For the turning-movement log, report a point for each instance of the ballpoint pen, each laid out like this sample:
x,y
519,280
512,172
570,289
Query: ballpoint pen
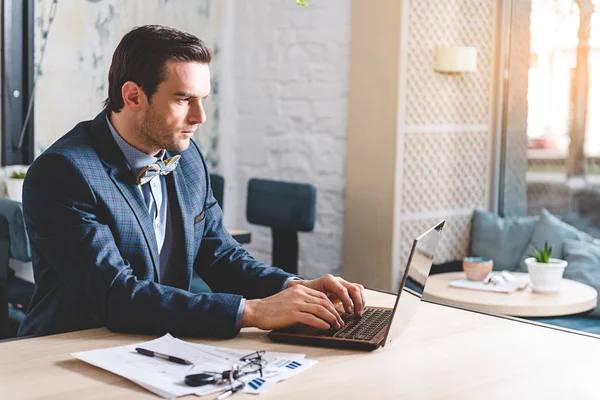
x,y
231,391
167,357
225,394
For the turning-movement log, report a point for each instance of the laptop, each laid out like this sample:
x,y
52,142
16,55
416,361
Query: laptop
x,y
378,326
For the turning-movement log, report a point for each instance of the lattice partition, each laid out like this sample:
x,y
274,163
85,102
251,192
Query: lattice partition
x,y
434,98
446,138
444,171
454,244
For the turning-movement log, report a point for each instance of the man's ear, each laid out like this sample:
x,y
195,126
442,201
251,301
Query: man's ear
x,y
133,95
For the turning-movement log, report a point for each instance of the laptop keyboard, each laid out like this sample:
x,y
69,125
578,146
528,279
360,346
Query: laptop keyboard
x,y
363,328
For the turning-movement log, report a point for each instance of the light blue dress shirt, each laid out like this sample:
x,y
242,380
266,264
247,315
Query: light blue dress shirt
x,y
156,198
154,194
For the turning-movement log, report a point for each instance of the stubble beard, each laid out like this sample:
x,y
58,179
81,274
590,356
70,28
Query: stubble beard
x,y
153,133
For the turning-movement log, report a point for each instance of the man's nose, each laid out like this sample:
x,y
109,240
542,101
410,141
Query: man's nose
x,y
197,115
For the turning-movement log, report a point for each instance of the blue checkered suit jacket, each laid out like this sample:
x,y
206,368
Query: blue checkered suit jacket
x,y
95,256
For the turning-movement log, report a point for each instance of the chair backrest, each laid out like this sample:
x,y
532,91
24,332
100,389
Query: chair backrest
x,y
4,255
287,208
284,205
14,243
217,184
19,241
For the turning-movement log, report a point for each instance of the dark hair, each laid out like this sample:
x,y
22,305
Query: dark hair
x,y
141,55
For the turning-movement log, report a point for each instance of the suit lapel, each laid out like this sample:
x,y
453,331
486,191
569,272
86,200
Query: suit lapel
x,y
123,178
134,198
184,201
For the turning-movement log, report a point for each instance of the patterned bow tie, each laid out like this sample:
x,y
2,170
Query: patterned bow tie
x,y
159,168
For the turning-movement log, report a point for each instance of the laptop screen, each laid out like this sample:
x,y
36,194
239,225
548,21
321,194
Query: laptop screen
x,y
414,280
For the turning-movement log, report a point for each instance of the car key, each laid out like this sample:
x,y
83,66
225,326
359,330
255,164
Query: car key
x,y
202,379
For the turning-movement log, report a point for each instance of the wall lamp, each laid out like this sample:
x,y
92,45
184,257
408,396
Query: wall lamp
x,y
455,59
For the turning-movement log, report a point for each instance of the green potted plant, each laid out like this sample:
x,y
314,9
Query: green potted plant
x,y
545,272
14,183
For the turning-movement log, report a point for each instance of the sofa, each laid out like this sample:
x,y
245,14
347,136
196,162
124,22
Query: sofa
x,y
508,241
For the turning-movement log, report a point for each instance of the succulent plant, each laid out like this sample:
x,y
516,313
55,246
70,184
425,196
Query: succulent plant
x,y
18,175
542,255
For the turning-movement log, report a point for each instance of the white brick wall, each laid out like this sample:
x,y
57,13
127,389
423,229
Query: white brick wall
x,y
283,79
82,39
290,76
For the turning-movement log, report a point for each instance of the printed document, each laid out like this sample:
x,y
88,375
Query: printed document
x,y
167,379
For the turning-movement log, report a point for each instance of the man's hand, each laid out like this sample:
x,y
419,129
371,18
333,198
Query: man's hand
x,y
297,304
308,302
351,295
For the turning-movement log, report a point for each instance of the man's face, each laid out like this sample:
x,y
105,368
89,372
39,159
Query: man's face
x,y
169,120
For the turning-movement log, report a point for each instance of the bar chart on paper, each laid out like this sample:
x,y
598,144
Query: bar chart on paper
x,y
167,379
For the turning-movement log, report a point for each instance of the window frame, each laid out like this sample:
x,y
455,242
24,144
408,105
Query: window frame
x,y
17,75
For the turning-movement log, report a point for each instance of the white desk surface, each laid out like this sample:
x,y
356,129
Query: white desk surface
x,y
445,353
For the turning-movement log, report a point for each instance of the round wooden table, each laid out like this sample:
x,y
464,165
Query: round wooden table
x,y
573,298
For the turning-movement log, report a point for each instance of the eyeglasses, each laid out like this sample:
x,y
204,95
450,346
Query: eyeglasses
x,y
254,363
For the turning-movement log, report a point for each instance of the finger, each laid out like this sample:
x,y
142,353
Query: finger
x,y
331,308
337,303
322,313
311,320
336,287
363,296
339,307
314,296
360,294
356,292
325,303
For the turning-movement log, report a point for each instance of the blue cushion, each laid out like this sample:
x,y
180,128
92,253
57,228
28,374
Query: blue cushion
x,y
19,241
578,323
584,264
555,232
501,239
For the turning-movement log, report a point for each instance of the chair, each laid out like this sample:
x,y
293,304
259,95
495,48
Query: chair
x,y
4,246
287,208
14,243
217,184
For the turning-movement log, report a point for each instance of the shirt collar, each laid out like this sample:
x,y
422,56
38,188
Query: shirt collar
x,y
135,158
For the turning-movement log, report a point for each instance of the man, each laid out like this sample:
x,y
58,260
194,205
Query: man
x,y
119,212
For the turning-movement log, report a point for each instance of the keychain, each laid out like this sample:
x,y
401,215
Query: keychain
x,y
207,378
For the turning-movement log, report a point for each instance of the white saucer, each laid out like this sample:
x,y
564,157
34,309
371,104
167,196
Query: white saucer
x,y
543,289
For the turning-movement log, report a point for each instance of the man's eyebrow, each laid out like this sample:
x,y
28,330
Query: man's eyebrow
x,y
184,94
187,94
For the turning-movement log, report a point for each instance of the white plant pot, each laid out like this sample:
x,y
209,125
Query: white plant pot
x,y
14,188
546,278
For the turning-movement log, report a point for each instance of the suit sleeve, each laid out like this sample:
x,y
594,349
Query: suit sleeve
x,y
68,231
226,266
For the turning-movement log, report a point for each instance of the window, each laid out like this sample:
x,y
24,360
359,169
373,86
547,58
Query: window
x,y
17,81
551,138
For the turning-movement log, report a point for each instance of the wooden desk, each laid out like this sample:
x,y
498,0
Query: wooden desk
x,y
573,298
445,353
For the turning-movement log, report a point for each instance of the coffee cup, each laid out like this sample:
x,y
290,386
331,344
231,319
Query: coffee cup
x,y
477,268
